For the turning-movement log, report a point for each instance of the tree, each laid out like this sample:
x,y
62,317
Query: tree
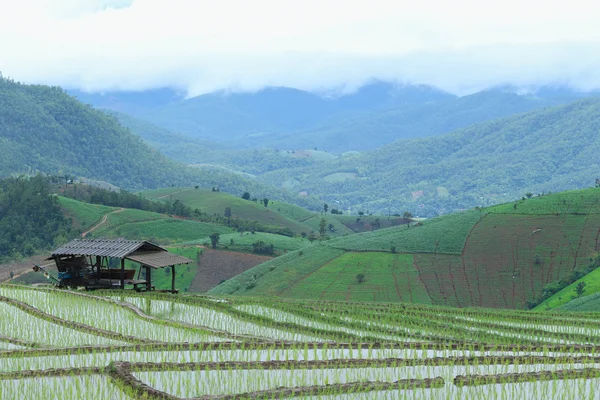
x,y
361,213
325,207
312,237
580,288
246,196
407,216
227,212
214,239
265,201
322,229
528,194
360,278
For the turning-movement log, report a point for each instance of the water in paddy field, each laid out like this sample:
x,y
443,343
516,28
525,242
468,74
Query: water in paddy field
x,y
93,387
576,389
188,384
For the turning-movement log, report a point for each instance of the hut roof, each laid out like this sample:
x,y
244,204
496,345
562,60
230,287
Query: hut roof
x,y
140,251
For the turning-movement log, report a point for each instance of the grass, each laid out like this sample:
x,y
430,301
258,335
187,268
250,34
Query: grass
x,y
243,242
445,235
586,201
568,294
84,215
274,276
387,278
589,303
137,224
211,202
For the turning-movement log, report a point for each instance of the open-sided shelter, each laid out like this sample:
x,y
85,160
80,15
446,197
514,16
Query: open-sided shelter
x,y
85,262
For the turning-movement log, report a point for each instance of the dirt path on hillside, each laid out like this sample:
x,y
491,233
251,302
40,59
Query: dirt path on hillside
x,y
170,194
104,218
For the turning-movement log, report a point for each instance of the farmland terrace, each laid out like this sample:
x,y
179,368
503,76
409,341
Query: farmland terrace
x,y
57,343
499,257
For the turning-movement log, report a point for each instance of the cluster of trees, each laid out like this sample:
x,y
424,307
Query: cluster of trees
x,y
123,198
261,247
30,217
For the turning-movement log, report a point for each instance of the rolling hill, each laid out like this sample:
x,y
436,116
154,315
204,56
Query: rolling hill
x,y
285,216
501,256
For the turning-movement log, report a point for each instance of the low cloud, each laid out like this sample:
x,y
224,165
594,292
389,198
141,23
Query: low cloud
x,y
200,46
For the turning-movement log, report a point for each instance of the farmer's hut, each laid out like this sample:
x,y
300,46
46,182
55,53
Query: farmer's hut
x,y
86,262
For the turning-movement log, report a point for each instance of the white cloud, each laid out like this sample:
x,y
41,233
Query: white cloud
x,y
203,45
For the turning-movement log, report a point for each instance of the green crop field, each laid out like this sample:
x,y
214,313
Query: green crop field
x,y
386,277
445,235
124,345
211,202
568,294
243,241
84,215
495,257
586,201
136,224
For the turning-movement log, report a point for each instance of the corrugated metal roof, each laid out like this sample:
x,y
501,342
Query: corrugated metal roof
x,y
118,248
158,259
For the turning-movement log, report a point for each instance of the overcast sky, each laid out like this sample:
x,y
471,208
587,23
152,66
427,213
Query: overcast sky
x,y
200,46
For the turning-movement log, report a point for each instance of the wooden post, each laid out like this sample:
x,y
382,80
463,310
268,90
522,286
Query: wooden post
x,y
98,264
148,278
172,279
122,273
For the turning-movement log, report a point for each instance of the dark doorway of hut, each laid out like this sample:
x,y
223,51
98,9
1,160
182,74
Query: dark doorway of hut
x,y
87,263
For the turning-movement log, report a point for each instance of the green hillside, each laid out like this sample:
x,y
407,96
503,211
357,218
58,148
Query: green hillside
x,y
499,256
563,298
552,149
277,214
43,129
589,303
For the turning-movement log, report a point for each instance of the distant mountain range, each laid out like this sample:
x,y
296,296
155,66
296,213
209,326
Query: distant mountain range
x,y
284,118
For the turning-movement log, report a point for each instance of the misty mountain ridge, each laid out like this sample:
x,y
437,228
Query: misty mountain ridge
x,y
376,114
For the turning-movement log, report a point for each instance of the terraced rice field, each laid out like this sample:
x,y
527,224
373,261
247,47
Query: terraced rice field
x,y
123,345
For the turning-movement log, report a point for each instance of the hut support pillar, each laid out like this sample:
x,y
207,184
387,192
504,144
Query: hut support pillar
x,y
172,279
148,278
122,273
98,265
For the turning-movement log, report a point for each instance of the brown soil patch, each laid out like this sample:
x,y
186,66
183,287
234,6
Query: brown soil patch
x,y
219,265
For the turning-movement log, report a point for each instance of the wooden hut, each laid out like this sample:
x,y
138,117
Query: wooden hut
x,y
86,263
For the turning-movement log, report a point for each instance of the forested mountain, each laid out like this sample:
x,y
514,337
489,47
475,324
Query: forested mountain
x,y
30,218
43,129
546,150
